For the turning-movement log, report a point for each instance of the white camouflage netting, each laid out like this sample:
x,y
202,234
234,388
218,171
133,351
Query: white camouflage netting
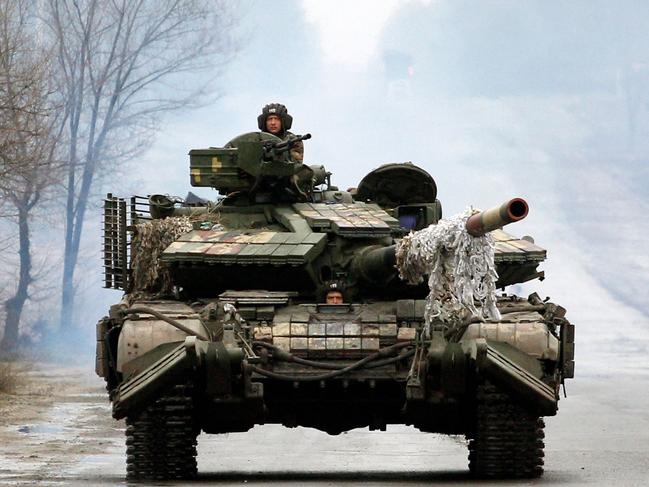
x,y
460,269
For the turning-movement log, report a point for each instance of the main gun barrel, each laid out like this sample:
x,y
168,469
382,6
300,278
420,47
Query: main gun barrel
x,y
486,221
376,265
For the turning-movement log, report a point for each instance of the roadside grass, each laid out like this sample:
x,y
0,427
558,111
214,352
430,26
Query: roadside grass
x,y
13,368
8,377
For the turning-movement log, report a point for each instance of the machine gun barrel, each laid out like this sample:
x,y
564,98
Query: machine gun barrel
x,y
376,265
285,145
486,221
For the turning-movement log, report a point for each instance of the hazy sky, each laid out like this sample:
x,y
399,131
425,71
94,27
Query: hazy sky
x,y
542,99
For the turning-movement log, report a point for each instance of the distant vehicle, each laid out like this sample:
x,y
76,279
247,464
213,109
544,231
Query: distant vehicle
x,y
281,303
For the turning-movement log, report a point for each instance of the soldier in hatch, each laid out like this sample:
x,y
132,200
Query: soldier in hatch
x,y
334,292
274,119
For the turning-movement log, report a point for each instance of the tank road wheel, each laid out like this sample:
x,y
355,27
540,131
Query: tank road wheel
x,y
507,441
161,441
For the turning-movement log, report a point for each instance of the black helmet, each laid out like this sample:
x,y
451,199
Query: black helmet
x,y
275,109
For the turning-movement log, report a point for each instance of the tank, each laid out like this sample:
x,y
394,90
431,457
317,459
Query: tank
x,y
289,301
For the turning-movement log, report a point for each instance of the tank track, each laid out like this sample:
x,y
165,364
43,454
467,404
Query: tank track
x,y
161,441
507,441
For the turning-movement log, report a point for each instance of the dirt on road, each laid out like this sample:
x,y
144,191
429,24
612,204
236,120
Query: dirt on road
x,y
54,418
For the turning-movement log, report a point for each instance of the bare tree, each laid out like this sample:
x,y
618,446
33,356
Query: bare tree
x,y
124,63
27,143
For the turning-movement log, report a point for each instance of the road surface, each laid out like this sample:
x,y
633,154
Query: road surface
x,y
57,430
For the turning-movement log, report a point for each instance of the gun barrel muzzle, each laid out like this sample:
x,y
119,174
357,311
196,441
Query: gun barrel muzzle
x,y
509,212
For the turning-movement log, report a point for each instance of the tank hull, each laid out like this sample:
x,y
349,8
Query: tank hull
x,y
430,385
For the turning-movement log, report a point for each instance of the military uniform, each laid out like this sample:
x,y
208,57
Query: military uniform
x,y
297,151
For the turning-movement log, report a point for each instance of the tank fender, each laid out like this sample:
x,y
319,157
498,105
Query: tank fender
x,y
514,371
143,333
533,338
136,393
211,363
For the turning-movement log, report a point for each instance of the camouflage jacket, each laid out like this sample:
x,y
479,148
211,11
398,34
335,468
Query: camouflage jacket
x,y
297,152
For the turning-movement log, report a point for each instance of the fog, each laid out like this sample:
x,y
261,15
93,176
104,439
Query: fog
x,y
496,99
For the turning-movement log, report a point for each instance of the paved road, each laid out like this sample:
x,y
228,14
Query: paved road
x,y
600,437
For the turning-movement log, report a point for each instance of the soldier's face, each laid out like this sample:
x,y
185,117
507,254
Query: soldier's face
x,y
334,297
273,124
